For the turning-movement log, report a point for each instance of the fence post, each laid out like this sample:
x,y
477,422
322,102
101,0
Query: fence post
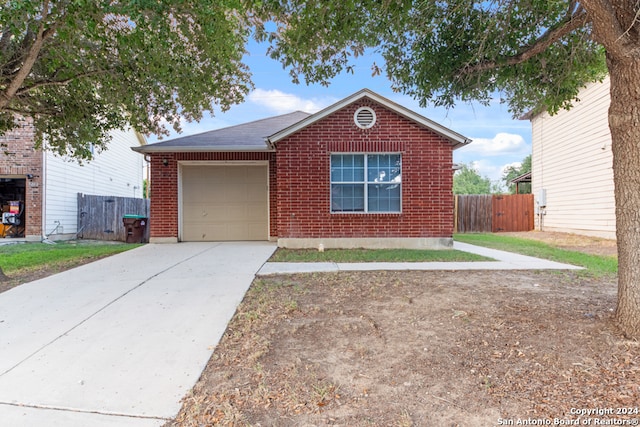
x,y
455,213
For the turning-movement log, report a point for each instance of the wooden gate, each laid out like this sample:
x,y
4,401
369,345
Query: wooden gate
x,y
100,217
486,213
512,213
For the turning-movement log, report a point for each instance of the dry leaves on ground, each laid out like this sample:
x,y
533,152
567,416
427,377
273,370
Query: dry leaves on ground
x,y
417,348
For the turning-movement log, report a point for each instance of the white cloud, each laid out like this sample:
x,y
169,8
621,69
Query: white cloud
x,y
488,169
502,143
281,102
515,165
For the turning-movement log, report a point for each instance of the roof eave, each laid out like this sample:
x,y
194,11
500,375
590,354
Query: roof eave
x,y
525,177
200,149
461,144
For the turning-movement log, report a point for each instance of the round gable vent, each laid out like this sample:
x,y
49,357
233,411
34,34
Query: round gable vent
x,y
364,117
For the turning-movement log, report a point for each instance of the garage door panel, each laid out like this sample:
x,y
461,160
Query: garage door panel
x,y
257,213
238,194
255,193
255,176
254,229
206,233
204,215
224,203
231,213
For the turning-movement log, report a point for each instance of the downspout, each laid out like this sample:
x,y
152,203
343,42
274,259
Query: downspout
x,y
147,195
43,196
270,146
147,177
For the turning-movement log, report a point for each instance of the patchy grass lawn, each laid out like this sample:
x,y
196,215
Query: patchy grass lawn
x,y
598,265
25,262
373,255
434,348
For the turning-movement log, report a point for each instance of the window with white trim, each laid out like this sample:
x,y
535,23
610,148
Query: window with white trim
x,y
366,183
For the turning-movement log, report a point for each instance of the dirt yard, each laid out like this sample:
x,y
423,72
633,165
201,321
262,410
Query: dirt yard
x,y
421,349
572,242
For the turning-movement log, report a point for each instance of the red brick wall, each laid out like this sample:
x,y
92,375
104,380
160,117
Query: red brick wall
x,y
164,187
299,180
303,165
19,157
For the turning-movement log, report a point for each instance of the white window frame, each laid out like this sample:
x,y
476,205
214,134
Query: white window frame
x,y
365,183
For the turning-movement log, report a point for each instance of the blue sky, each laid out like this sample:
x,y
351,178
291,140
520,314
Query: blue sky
x,y
498,139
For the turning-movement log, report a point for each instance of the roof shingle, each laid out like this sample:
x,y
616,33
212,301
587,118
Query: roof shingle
x,y
250,136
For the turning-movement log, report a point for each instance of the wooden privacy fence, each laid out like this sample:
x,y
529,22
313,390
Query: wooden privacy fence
x,y
485,213
100,217
473,213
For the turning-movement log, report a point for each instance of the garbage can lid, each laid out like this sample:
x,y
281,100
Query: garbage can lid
x,y
134,216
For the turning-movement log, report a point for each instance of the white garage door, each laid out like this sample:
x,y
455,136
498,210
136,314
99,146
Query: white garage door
x,y
225,202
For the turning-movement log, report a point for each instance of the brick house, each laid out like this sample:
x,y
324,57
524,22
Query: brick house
x,y
364,172
46,186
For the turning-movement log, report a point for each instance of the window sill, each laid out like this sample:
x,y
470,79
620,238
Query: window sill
x,y
368,213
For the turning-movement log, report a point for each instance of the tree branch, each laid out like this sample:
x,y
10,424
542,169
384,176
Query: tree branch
x,y
45,83
571,22
31,112
29,60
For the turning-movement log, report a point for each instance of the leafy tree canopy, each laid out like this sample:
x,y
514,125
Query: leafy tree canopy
x,y
82,68
536,53
467,180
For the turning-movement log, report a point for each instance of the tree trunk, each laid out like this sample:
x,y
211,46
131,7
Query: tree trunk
x,y
624,123
3,277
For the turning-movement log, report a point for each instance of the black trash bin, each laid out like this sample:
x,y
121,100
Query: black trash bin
x,y
135,226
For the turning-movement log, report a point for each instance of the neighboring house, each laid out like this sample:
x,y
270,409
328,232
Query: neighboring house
x,y
572,175
47,186
364,172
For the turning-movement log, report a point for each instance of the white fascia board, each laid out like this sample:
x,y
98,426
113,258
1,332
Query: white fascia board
x,y
222,148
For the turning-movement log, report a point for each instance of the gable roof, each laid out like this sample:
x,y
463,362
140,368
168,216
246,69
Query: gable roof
x,y
456,139
525,177
263,135
250,136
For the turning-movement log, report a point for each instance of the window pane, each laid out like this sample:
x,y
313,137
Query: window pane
x,y
383,198
347,168
347,175
336,168
395,166
358,167
339,164
374,173
347,198
383,168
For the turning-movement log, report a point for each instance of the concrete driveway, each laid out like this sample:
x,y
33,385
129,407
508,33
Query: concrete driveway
x,y
120,341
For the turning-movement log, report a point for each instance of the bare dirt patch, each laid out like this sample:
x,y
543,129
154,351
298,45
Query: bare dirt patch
x,y
573,242
417,349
